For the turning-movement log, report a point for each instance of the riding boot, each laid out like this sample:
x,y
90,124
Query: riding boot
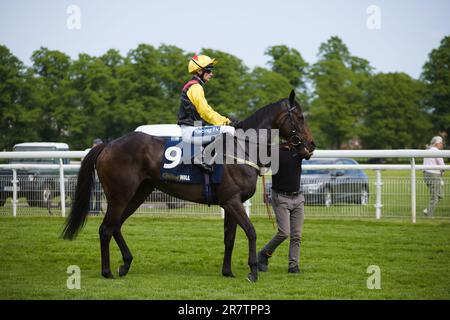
x,y
198,161
206,166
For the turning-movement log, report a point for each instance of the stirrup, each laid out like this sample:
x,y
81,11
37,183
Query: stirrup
x,y
206,167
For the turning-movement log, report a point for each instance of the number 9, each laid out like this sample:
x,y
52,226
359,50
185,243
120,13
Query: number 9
x,y
175,159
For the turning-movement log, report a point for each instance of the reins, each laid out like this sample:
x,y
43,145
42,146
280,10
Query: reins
x,y
266,200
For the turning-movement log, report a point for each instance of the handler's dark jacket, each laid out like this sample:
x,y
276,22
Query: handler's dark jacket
x,y
287,179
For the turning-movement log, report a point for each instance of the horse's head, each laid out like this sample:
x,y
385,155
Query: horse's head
x,y
294,129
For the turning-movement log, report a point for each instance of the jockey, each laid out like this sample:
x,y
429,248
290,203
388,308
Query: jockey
x,y
195,112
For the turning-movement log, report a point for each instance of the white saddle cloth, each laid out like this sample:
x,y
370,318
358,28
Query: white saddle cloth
x,y
161,130
196,135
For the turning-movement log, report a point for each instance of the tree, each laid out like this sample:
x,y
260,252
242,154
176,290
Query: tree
x,y
395,117
436,75
174,73
289,63
334,49
20,101
92,107
51,68
73,101
265,86
144,94
338,104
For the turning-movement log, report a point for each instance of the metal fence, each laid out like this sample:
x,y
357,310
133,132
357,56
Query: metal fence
x,y
388,195
390,190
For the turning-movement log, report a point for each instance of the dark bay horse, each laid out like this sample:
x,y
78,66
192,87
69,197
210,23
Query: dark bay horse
x,y
129,170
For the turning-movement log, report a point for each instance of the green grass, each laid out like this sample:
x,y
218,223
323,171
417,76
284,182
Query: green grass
x,y
181,258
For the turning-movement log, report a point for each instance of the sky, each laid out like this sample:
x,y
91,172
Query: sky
x,y
394,35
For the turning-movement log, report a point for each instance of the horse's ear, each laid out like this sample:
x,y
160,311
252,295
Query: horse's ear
x,y
292,98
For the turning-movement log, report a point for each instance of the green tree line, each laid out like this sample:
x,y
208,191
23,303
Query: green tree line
x,y
345,101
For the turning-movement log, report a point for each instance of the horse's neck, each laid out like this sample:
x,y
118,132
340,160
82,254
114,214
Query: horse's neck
x,y
263,118
262,123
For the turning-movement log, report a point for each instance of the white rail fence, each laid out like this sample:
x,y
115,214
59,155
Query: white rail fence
x,y
400,195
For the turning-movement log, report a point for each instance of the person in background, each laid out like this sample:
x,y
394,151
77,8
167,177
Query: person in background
x,y
95,206
288,204
433,178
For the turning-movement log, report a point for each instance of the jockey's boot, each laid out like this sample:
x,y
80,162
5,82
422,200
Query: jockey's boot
x,y
208,168
202,163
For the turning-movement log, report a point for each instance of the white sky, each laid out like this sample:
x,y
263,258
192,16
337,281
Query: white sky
x,y
410,29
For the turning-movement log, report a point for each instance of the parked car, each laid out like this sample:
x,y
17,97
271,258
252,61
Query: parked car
x,y
38,186
327,187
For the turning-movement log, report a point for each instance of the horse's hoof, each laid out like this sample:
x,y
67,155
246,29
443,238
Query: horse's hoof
x,y
108,275
228,274
252,277
122,271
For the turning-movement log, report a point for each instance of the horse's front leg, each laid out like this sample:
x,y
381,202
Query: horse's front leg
x,y
229,238
236,209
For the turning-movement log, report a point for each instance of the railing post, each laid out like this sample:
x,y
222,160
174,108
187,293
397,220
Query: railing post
x,y
378,204
247,205
14,201
62,192
413,190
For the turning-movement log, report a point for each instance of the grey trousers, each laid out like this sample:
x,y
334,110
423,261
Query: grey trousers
x,y
434,183
289,212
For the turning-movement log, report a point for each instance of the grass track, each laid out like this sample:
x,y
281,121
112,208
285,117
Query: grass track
x,y
181,258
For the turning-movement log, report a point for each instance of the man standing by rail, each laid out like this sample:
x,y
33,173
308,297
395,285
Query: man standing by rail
x,y
288,204
433,178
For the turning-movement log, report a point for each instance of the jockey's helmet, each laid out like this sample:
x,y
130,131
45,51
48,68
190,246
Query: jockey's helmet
x,y
199,62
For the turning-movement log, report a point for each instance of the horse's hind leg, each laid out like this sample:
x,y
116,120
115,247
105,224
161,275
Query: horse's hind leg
x,y
139,197
230,225
126,253
111,223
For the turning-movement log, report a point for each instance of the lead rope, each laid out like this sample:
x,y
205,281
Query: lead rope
x,y
266,200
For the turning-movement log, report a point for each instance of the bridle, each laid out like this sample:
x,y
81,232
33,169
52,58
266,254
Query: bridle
x,y
295,141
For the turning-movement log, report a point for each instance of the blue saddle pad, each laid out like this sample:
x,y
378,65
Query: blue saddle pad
x,y
184,172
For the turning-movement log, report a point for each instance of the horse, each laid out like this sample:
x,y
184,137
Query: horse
x,y
129,170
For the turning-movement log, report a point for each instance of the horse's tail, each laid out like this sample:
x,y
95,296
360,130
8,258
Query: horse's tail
x,y
80,207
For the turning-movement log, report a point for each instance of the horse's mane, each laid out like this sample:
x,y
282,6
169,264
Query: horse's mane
x,y
263,117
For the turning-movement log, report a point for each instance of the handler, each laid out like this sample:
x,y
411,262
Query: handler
x,y
195,112
288,204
